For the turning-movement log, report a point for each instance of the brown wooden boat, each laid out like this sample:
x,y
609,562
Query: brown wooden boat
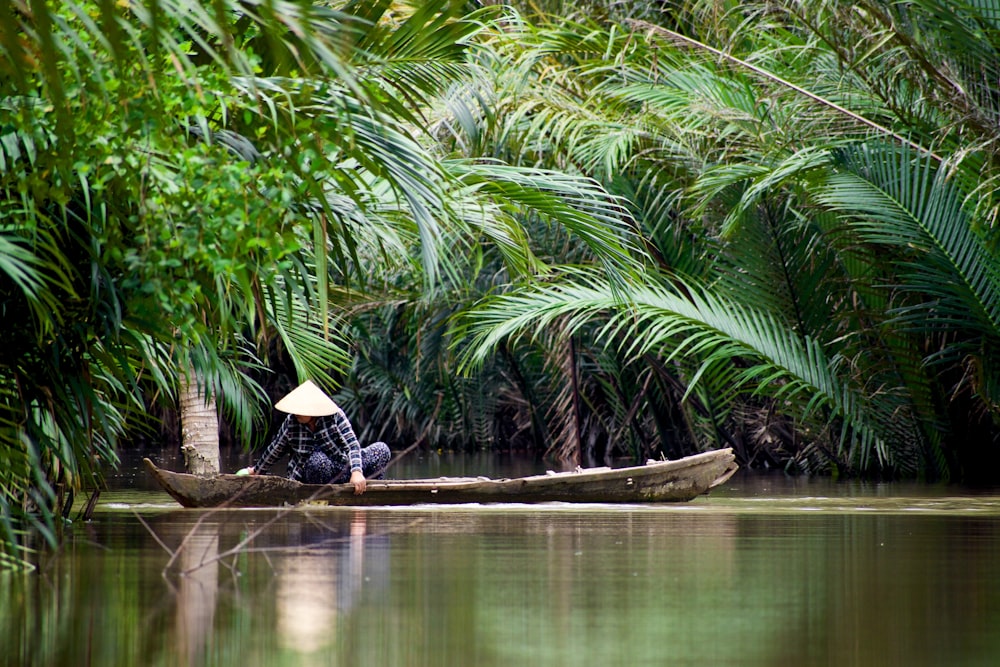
x,y
655,482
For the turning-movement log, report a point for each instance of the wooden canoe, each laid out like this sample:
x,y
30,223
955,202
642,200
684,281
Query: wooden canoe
x,y
655,482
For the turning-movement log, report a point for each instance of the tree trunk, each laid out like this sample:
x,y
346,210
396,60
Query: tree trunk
x,y
567,444
199,429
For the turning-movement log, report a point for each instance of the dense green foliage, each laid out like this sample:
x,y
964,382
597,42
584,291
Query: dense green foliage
x,y
168,174
813,182
760,225
812,186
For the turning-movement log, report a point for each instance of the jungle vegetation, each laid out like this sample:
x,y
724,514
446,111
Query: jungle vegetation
x,y
589,230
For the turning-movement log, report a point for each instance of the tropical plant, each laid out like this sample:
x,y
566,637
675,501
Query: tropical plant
x,y
185,184
135,251
820,214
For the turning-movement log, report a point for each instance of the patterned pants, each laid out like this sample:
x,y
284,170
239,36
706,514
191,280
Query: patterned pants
x,y
319,469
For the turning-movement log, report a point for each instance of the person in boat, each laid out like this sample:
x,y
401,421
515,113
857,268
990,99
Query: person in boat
x,y
320,443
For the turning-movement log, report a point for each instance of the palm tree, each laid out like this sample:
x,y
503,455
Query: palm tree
x,y
130,197
753,144
187,251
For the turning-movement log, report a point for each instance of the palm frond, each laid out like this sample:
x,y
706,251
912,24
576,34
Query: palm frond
x,y
771,76
316,349
580,205
699,326
897,200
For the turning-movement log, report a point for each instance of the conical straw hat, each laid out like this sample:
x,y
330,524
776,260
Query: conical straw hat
x,y
307,400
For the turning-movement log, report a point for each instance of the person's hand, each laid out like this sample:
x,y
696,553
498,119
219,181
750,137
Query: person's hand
x,y
245,471
359,482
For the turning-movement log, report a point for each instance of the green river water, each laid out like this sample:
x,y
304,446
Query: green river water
x,y
765,571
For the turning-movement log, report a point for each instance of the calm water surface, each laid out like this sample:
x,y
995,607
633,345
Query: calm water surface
x,y
765,571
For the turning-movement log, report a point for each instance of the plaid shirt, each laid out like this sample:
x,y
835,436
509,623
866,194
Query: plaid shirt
x,y
333,436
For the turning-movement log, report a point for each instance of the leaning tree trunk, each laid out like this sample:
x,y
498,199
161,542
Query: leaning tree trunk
x,y
199,429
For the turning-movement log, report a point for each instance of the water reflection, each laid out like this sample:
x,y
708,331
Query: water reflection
x,y
753,578
315,582
302,569
197,592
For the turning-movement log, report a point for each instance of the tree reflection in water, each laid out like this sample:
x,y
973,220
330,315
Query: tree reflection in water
x,y
197,592
758,578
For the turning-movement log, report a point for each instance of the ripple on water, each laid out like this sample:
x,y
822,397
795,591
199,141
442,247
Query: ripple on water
x,y
144,501
955,505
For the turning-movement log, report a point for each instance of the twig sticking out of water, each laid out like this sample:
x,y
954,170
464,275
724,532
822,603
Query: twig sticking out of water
x,y
243,546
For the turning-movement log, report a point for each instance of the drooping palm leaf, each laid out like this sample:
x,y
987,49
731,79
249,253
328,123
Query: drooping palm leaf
x,y
579,205
702,326
897,200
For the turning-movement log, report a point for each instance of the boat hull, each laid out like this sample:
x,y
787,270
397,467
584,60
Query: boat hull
x,y
657,482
